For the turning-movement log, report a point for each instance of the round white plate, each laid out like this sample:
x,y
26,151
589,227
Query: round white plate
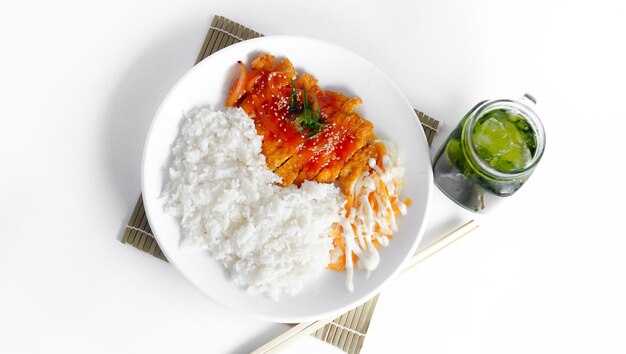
x,y
336,68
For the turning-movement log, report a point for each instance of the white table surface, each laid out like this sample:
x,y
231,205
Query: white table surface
x,y
79,86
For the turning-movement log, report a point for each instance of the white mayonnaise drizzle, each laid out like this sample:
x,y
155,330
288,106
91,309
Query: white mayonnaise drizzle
x,y
361,222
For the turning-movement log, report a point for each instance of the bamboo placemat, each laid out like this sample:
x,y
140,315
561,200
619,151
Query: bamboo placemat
x,y
347,331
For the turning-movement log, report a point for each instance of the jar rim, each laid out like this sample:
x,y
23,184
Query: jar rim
x,y
488,106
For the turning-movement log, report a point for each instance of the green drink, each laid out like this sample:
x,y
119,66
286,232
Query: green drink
x,y
490,154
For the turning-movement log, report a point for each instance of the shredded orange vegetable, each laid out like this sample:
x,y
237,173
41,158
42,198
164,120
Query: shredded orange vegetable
x,y
238,89
353,202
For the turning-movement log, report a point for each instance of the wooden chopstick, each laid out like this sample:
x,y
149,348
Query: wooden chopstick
x,y
443,242
290,336
306,328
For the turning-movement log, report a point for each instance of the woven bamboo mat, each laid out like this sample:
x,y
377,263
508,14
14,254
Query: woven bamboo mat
x,y
347,331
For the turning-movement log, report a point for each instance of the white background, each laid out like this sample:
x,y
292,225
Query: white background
x,y
81,81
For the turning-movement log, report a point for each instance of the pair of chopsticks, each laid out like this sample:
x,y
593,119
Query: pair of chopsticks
x,y
307,328
291,335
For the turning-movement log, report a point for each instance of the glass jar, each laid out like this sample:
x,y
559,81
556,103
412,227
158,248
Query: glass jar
x,y
491,153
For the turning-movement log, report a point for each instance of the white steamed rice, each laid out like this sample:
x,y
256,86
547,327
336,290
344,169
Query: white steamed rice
x,y
271,239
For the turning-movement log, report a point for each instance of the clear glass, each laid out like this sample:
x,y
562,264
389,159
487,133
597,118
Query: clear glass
x,y
465,177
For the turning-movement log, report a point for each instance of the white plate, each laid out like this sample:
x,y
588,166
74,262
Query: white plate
x,y
338,69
